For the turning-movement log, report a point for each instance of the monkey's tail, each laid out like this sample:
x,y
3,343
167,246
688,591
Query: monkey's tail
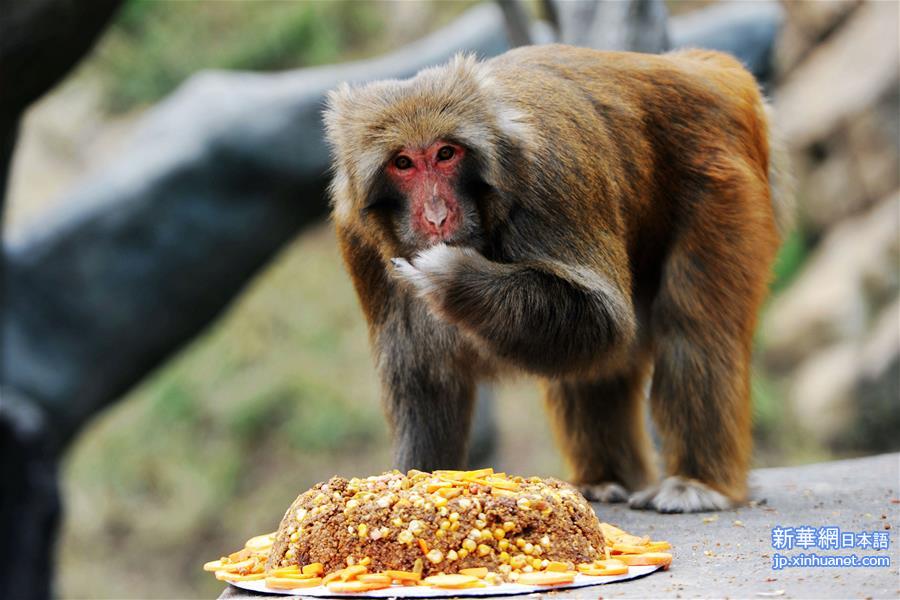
x,y
781,180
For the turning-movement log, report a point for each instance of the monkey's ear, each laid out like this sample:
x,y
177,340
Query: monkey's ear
x,y
338,102
466,63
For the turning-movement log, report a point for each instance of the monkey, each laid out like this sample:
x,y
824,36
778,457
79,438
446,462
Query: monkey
x,y
595,219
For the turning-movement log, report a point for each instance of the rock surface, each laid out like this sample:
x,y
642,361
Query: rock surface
x,y
852,272
729,554
833,335
842,77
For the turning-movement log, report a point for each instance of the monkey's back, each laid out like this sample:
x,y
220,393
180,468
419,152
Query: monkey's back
x,y
659,97
661,126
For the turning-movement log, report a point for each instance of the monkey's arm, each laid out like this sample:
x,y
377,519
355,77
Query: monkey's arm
x,y
545,316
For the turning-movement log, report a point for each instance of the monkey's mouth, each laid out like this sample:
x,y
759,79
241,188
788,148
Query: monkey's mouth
x,y
440,238
461,237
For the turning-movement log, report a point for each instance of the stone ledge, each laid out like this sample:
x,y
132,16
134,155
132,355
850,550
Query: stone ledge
x,y
729,554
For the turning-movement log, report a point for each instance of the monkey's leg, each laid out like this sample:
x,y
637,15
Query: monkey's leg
x,y
600,427
702,327
427,390
428,395
701,405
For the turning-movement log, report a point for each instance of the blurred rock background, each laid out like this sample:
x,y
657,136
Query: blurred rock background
x,y
831,336
212,447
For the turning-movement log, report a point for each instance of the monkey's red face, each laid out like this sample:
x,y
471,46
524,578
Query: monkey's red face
x,y
429,178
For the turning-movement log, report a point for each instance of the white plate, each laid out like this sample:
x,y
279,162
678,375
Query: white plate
x,y
409,591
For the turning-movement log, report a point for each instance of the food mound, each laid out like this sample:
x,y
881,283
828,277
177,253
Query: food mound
x,y
447,529
439,522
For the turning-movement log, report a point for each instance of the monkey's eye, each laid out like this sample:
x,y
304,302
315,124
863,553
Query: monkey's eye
x,y
446,153
403,162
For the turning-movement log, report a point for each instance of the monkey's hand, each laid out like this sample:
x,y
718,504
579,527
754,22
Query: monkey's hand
x,y
433,270
544,316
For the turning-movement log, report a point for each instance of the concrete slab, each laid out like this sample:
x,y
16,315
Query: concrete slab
x,y
729,554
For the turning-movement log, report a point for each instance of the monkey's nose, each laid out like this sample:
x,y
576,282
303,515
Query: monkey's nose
x,y
435,211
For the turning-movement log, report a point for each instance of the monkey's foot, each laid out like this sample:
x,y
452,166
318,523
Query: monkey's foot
x,y
677,494
603,492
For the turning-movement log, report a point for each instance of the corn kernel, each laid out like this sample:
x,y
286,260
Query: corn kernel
x,y
545,541
397,522
545,563
537,550
520,542
469,545
503,544
405,537
483,550
454,516
505,569
351,504
523,503
504,557
439,533
445,524
362,530
517,561
435,556
536,563
486,534
508,526
528,569
528,548
295,536
452,555
463,553
454,526
480,524
440,501
443,511
365,561
499,533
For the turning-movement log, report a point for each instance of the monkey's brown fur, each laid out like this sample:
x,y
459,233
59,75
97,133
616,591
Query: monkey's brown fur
x,y
622,219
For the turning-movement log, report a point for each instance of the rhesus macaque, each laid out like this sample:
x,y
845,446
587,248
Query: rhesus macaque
x,y
587,217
